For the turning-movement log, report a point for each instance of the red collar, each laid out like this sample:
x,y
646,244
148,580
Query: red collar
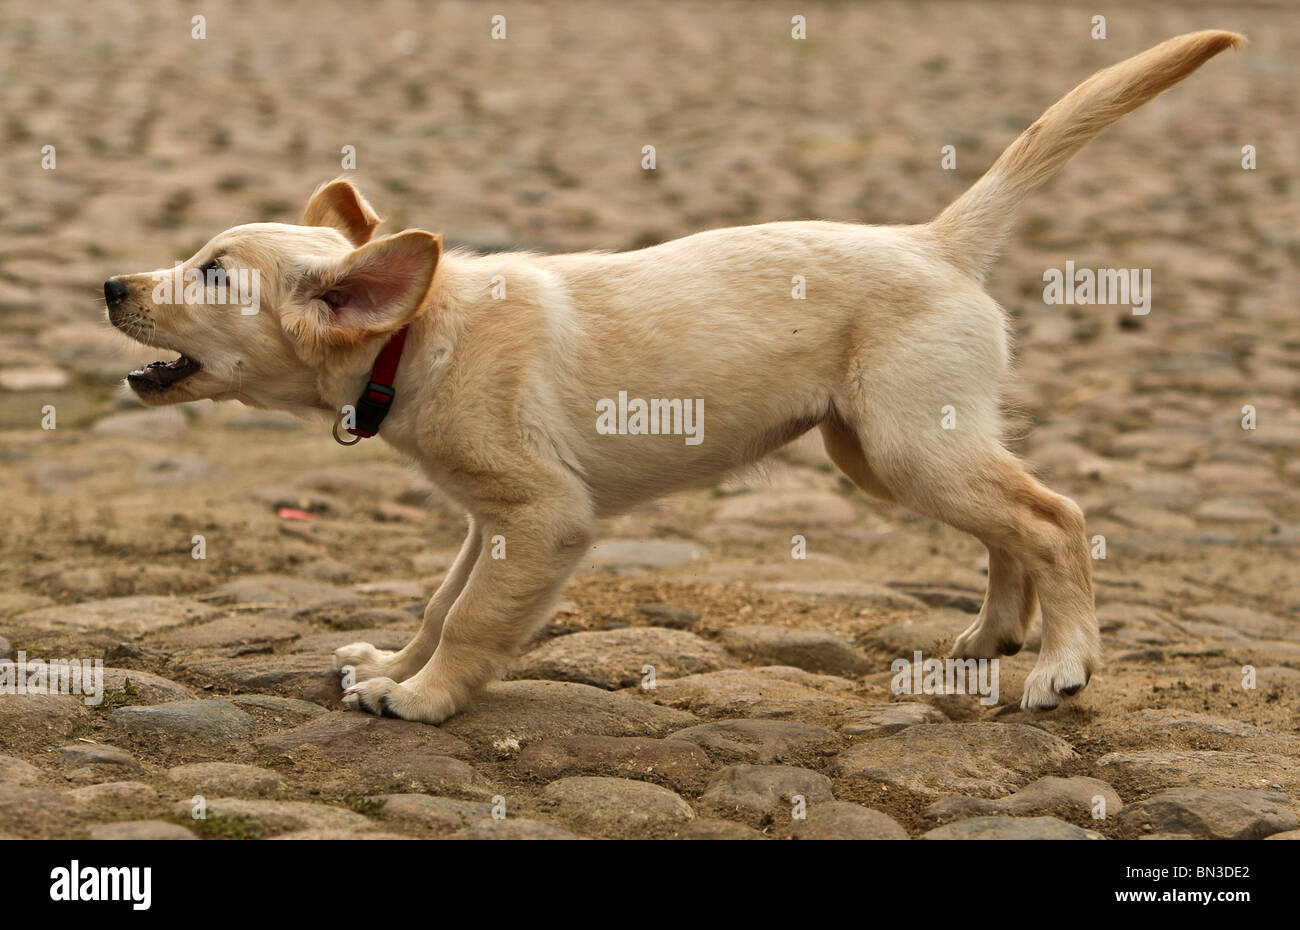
x,y
373,404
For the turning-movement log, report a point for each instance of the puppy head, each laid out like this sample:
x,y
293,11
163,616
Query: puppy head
x,y
263,311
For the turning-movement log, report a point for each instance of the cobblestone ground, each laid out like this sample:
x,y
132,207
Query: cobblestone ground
x,y
773,673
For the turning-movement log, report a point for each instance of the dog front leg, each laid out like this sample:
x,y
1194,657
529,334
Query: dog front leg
x,y
368,662
510,591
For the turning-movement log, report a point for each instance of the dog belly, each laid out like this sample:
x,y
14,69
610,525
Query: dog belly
x,y
624,470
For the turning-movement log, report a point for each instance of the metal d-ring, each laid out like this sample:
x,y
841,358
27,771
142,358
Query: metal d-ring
x,y
340,440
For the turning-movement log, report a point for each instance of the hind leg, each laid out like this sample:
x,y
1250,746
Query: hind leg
x,y
992,498
986,492
1047,533
1010,601
926,410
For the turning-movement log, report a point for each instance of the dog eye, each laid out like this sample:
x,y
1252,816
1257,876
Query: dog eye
x,y
214,265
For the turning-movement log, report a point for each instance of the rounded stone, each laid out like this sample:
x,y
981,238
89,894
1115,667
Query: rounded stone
x,y
764,793
619,658
771,691
761,741
1011,828
616,808
675,763
433,812
513,829
226,778
17,772
259,817
42,715
811,650
1212,813
140,830
983,758
115,794
840,820
708,828
212,723
526,711
1079,796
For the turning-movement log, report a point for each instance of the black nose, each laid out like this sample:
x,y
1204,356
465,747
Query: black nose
x,y
114,290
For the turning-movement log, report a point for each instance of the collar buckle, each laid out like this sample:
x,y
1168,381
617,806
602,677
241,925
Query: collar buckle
x,y
371,407
373,404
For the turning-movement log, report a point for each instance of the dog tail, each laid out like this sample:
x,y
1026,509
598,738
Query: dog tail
x,y
972,228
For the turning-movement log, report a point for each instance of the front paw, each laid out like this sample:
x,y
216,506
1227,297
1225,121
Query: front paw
x,y
384,697
369,695
364,659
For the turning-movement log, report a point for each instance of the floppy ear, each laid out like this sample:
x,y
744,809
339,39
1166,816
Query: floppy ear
x,y
341,205
373,291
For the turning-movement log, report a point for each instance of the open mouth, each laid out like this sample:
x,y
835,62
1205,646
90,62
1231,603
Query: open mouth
x,y
158,376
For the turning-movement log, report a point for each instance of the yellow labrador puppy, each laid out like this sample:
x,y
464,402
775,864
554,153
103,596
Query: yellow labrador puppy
x,y
511,389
